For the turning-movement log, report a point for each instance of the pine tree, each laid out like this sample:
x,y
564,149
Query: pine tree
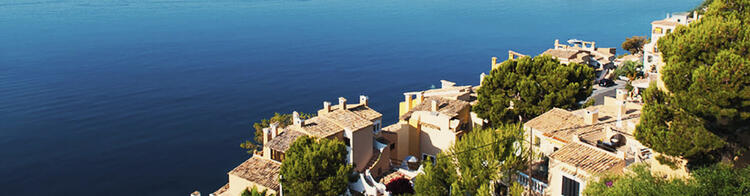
x,y
528,87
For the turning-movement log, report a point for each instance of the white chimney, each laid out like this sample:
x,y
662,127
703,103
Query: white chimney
x,y
407,99
434,106
342,103
327,106
481,78
695,15
274,129
297,120
266,138
621,112
591,117
420,97
363,100
494,62
621,94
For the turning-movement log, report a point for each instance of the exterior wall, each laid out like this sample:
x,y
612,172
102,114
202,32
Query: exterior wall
x,y
237,185
383,164
556,177
361,143
546,146
414,131
433,141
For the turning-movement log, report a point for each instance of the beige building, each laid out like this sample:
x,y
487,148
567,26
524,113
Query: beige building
x,y
585,53
652,60
585,143
431,121
357,125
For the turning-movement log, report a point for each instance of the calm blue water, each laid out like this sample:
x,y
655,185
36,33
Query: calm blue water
x,y
153,97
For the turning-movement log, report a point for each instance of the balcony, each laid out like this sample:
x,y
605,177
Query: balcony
x,y
538,187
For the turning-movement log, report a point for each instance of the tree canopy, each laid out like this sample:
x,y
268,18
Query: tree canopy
x,y
714,180
528,87
634,44
253,192
469,167
628,69
315,167
707,73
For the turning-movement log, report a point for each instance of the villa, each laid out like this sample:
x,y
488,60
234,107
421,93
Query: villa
x,y
357,125
585,53
652,61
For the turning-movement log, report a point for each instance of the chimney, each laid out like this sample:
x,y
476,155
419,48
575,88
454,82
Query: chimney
x,y
695,15
266,139
363,100
326,106
591,117
434,106
621,112
407,99
494,62
593,45
481,78
621,94
420,97
342,103
667,15
557,43
274,128
297,120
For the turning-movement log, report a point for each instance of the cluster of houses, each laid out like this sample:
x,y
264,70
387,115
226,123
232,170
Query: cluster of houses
x,y
575,146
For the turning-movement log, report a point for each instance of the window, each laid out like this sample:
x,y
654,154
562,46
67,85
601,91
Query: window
x,y
569,187
426,157
554,149
650,58
393,146
657,30
347,141
537,141
376,127
669,31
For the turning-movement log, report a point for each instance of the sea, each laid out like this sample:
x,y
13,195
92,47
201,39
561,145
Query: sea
x,y
153,97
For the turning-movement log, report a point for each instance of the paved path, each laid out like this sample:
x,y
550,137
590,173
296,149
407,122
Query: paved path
x,y
599,92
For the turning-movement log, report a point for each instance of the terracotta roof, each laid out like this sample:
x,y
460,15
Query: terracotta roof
x,y
222,190
447,107
347,119
587,158
366,112
561,53
318,127
665,22
554,120
282,141
260,171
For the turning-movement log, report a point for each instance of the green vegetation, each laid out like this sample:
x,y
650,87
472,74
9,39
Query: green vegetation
x,y
528,87
714,180
481,157
315,167
253,192
634,45
283,120
628,69
707,73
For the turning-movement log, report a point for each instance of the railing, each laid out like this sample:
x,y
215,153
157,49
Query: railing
x,y
536,185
